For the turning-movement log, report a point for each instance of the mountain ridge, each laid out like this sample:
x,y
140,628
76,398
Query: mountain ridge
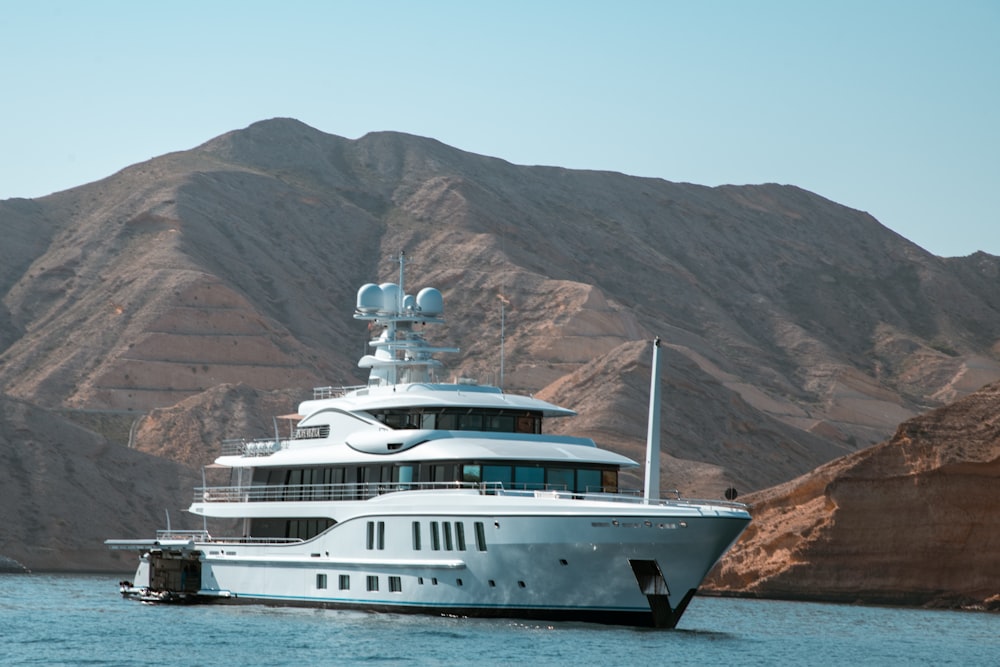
x,y
797,329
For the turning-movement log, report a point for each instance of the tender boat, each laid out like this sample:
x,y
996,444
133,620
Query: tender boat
x,y
415,495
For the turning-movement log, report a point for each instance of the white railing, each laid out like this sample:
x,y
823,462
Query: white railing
x,y
365,491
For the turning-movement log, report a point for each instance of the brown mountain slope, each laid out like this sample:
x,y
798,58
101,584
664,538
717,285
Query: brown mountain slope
x,y
914,520
809,326
65,489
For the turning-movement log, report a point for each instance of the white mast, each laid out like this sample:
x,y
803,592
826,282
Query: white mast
x,y
652,485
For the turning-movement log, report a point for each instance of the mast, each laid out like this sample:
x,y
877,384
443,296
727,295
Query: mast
x,y
652,484
401,353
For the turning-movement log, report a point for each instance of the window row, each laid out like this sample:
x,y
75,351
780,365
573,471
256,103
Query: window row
x,y
463,419
342,482
441,536
371,583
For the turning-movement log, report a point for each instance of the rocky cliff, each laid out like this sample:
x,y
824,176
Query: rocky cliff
x,y
914,520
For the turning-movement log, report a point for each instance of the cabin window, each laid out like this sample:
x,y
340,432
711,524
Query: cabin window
x,y
502,423
446,529
460,535
472,473
381,535
470,422
528,424
435,537
416,536
395,585
609,480
561,479
406,473
320,581
588,480
447,422
372,582
370,542
480,536
345,582
503,475
529,477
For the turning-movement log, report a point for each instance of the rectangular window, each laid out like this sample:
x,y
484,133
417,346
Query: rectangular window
x,y
528,425
502,475
446,526
588,481
473,422
370,543
460,535
609,480
381,535
372,582
416,536
560,479
529,477
406,476
320,581
480,536
435,537
395,585
472,473
345,582
503,423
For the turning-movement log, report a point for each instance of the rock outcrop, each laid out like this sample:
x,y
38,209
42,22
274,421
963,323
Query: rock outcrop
x,y
914,520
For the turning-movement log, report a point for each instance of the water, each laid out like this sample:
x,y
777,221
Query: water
x,y
81,620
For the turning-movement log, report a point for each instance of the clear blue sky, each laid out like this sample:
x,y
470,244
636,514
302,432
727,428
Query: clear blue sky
x,y
888,106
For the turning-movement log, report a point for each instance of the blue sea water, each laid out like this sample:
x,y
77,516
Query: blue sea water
x,y
81,620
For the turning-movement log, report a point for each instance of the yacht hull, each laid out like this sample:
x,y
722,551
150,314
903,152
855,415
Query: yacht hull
x,y
637,566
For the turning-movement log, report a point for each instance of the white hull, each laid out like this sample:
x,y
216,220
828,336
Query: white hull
x,y
549,557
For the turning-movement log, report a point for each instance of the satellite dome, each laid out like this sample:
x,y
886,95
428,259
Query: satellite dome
x,y
390,297
369,298
430,302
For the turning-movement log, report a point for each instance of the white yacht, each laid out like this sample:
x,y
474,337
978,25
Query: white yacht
x,y
415,495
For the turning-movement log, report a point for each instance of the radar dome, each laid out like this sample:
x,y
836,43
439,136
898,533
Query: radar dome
x,y
430,302
409,302
390,297
369,298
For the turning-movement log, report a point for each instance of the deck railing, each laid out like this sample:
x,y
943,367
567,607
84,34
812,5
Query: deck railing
x,y
366,491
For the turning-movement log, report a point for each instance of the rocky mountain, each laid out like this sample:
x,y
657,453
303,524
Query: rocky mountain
x,y
914,520
65,489
184,294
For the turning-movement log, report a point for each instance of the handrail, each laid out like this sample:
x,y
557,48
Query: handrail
x,y
368,490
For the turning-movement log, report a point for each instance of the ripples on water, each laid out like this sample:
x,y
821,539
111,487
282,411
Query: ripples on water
x,y
81,620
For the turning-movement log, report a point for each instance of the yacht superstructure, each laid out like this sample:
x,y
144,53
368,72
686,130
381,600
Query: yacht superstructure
x,y
415,495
